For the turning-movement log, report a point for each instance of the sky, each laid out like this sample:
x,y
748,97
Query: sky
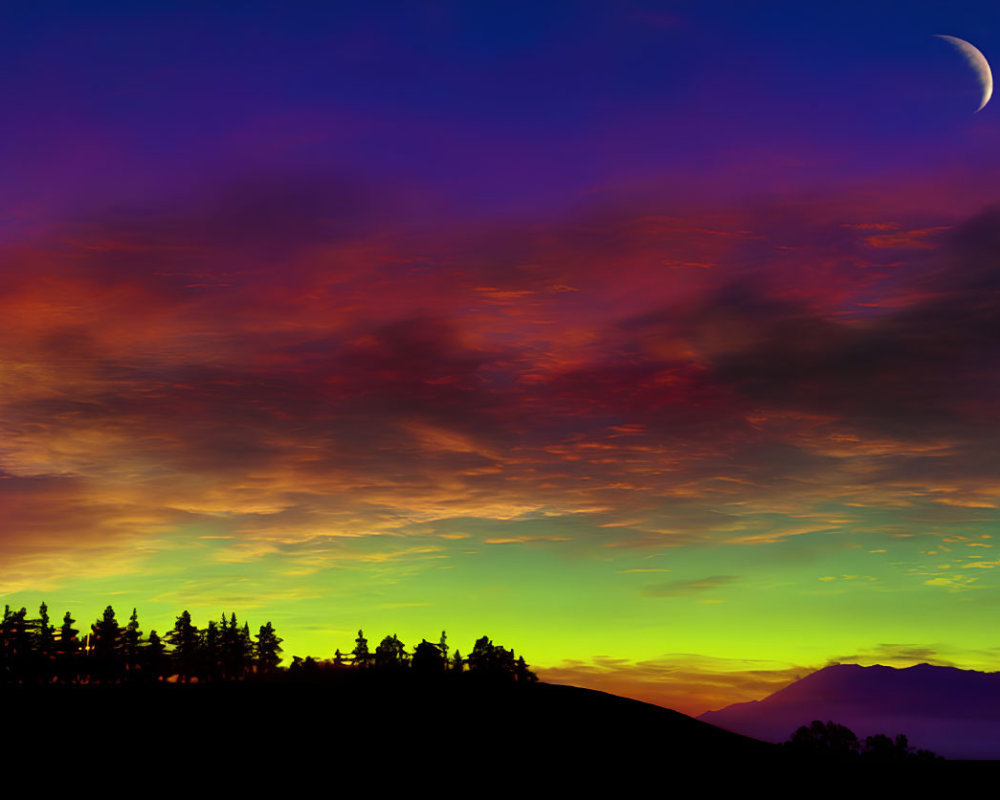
x,y
657,341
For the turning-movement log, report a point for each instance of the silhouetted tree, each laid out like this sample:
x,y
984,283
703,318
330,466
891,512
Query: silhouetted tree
x,y
268,649
248,647
390,654
184,639
67,636
210,653
881,748
522,673
15,646
105,641
42,643
482,652
825,740
67,646
5,659
154,658
832,741
106,635
46,633
237,648
427,658
131,639
361,657
31,651
489,660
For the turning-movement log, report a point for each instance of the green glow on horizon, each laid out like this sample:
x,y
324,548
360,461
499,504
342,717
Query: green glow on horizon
x,y
801,601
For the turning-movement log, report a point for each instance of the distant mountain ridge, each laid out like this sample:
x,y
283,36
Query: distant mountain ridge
x,y
954,712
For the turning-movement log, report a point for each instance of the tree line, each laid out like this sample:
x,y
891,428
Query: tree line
x,y
35,651
428,658
832,741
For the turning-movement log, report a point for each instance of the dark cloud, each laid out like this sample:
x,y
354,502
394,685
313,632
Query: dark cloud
x,y
916,371
664,374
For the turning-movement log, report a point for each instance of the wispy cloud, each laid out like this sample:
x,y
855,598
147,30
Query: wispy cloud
x,y
157,371
691,684
680,588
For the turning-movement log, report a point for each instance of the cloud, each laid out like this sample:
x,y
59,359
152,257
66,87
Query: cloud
x,y
691,684
681,588
273,358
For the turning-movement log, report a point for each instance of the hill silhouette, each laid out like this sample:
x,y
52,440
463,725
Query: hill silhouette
x,y
211,710
388,735
953,712
359,714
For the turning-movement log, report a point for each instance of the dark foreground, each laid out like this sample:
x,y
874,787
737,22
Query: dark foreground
x,y
451,735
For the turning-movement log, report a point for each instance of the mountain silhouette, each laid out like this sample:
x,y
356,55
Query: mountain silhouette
x,y
953,712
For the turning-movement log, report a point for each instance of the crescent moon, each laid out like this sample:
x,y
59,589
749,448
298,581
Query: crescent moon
x,y
978,63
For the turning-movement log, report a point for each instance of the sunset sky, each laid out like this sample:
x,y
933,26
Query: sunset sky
x,y
659,341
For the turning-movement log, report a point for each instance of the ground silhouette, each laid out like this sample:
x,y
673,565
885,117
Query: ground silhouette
x,y
212,711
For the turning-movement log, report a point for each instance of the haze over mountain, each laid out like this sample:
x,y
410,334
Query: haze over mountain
x,y
954,712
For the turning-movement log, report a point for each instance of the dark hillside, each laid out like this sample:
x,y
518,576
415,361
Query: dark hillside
x,y
360,729
303,728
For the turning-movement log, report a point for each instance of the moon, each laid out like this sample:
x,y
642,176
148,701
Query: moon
x,y
978,63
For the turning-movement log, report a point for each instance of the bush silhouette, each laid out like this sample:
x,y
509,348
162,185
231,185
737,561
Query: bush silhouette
x,y
832,741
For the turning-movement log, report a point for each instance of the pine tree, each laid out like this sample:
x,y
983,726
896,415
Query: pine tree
x,y
237,648
67,644
248,661
106,635
362,658
154,657
66,651
19,632
43,647
15,645
6,655
46,632
227,647
268,649
457,662
184,638
131,639
210,655
524,675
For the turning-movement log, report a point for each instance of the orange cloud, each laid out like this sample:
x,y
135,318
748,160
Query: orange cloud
x,y
690,684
